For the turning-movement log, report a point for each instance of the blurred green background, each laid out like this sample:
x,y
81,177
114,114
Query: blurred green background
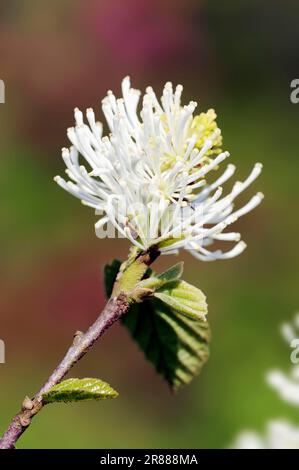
x,y
238,57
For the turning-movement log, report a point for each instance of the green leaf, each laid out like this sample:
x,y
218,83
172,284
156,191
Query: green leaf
x,y
110,273
183,298
78,390
172,274
177,346
155,282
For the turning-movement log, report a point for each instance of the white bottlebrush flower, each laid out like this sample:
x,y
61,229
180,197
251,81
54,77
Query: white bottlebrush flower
x,y
287,385
147,177
279,434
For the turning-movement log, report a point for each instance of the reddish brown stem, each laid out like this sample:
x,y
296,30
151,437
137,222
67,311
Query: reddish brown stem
x,y
113,310
116,306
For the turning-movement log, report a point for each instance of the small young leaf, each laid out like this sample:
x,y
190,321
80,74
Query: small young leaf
x,y
177,346
183,298
172,274
155,282
110,273
78,390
